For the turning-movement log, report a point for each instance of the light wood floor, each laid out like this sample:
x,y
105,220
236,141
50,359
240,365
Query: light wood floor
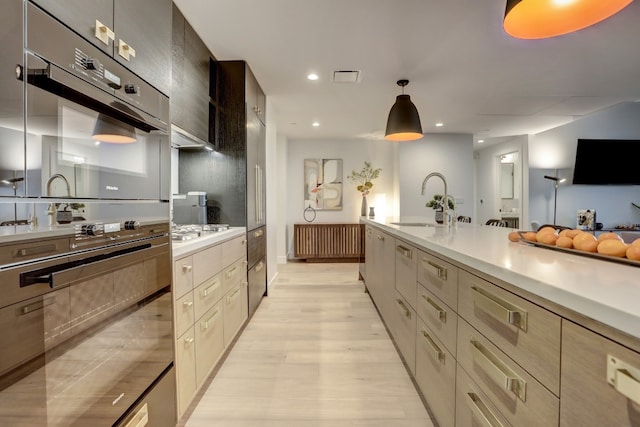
x,y
314,354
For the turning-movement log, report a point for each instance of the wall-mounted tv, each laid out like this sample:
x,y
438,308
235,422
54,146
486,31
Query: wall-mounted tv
x,y
607,162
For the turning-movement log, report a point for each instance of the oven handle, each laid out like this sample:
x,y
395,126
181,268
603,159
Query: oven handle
x,y
48,274
61,83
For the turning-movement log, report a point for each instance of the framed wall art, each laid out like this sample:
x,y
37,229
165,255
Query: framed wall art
x,y
323,184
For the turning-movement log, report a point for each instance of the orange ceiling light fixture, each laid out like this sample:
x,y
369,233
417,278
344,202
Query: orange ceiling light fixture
x,y
539,19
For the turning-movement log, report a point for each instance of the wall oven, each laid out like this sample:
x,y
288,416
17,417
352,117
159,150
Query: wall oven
x,y
86,324
85,300
92,128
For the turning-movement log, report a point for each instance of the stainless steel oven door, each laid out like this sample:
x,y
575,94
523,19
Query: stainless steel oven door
x,y
83,346
67,157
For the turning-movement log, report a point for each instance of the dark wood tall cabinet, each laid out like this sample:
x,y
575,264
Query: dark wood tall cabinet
x,y
243,131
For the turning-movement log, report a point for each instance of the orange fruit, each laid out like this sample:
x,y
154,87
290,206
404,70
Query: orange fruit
x,y
633,252
548,238
546,231
530,236
514,236
573,233
564,242
585,242
612,247
636,242
608,236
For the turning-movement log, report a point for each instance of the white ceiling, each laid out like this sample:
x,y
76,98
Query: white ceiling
x,y
463,69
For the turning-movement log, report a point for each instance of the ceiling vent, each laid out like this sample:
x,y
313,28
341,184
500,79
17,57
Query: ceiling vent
x,y
346,76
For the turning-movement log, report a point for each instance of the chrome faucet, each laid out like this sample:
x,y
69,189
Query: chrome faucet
x,y
445,196
51,210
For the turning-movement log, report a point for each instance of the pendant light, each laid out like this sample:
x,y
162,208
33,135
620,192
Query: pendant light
x,y
539,19
110,130
403,123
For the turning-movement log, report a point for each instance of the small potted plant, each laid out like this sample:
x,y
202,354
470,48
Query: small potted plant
x,y
437,204
363,180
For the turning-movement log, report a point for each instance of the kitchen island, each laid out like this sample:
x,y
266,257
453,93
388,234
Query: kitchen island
x,y
506,331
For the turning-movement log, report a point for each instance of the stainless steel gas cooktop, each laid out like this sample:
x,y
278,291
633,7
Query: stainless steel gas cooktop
x,y
189,232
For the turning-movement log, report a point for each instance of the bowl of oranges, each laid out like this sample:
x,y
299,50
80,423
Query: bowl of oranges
x,y
606,245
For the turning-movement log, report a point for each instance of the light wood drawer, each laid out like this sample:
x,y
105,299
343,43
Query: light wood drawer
x,y
440,277
232,313
185,369
441,319
436,374
234,249
473,407
184,313
594,368
518,396
233,275
402,324
209,342
406,271
207,295
206,264
526,332
182,276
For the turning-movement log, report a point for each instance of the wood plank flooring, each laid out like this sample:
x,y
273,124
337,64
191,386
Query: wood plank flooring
x,y
314,354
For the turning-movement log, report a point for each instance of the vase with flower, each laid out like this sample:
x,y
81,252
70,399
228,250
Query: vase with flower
x,y
363,180
437,203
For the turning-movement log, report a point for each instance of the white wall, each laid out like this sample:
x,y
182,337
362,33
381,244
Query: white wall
x,y
449,154
280,198
556,148
354,153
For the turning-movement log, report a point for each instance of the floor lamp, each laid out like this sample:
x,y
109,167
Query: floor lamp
x,y
556,182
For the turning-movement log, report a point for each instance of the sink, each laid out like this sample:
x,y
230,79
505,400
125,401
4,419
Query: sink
x,y
416,224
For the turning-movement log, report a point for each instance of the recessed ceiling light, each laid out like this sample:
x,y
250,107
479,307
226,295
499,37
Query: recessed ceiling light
x,y
480,141
439,124
312,76
315,124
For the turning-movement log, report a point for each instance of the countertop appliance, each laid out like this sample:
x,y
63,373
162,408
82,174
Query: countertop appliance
x,y
190,208
87,324
182,233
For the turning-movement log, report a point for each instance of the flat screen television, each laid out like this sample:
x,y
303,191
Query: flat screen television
x,y
607,162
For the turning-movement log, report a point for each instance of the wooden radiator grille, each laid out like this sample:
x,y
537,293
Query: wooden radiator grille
x,y
328,241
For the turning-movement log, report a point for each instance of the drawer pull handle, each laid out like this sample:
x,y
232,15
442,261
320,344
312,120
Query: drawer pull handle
x,y
230,297
38,305
624,377
433,268
205,325
497,370
260,266
36,250
439,312
499,308
438,354
187,304
186,268
381,238
188,340
481,412
231,272
209,289
406,252
406,311
258,233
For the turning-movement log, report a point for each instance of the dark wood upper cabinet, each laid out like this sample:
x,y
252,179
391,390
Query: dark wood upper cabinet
x,y
135,33
190,79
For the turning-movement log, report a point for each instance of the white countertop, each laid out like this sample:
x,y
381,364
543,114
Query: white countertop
x,y
608,292
182,248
